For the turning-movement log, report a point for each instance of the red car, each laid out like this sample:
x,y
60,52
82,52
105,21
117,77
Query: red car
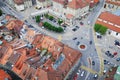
x,y
115,53
75,77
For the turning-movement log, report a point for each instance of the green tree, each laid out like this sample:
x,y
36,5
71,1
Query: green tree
x,y
1,12
52,28
100,29
60,21
37,19
97,27
51,18
46,16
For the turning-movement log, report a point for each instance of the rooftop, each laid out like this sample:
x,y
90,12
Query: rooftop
x,y
113,22
4,75
19,2
47,55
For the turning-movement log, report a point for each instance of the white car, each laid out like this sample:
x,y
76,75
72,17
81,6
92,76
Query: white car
x,y
88,22
82,73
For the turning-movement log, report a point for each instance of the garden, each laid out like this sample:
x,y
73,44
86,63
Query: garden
x,y
48,25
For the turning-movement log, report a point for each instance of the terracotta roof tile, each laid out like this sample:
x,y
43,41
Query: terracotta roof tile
x,y
60,1
69,16
76,4
4,75
15,24
18,2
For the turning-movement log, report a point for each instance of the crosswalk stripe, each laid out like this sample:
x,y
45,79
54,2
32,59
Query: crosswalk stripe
x,y
88,69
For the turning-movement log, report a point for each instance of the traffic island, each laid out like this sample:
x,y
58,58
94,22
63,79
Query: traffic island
x,y
82,47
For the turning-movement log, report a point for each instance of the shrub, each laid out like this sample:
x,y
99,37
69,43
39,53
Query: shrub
x,y
53,28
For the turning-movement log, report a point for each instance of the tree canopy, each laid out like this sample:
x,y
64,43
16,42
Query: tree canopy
x,y
100,29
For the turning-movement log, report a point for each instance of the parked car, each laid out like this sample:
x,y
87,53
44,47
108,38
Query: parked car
x,y
88,22
77,27
81,23
117,42
74,29
118,59
75,77
109,54
115,53
90,42
74,38
82,73
78,43
104,71
93,62
106,62
95,76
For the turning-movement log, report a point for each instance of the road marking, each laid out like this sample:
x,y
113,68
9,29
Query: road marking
x,y
99,55
59,37
88,69
89,60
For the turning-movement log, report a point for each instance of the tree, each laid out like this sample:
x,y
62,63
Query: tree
x,y
100,29
46,16
0,12
51,18
37,19
60,21
97,27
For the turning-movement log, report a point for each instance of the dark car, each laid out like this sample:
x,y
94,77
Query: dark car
x,y
99,36
93,62
74,38
117,42
74,29
81,23
118,59
78,43
90,42
77,27
109,54
106,62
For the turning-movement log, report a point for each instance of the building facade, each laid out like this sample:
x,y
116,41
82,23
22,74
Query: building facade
x,y
112,5
69,10
112,22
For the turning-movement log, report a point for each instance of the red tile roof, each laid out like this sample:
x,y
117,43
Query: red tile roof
x,y
109,20
69,16
4,75
76,4
18,2
59,1
15,24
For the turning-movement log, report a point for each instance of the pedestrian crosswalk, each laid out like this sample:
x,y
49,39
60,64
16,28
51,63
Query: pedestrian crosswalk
x,y
88,69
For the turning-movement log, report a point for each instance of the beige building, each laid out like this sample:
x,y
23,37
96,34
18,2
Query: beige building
x,y
43,3
69,10
112,5
10,2
21,5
